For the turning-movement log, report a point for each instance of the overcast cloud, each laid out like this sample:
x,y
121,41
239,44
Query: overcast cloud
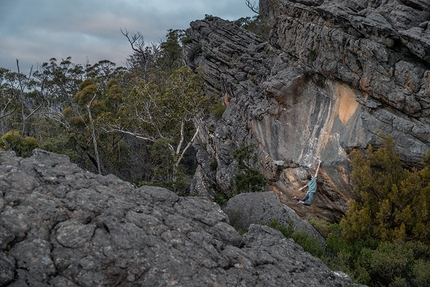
x,y
34,31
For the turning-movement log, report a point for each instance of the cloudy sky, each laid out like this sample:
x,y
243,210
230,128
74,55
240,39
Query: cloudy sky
x,y
34,31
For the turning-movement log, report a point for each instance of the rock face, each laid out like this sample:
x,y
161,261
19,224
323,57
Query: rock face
x,y
62,226
333,76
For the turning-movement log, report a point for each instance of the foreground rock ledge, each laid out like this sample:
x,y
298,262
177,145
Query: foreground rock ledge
x,y
63,226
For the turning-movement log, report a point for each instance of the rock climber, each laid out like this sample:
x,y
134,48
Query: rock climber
x,y
312,188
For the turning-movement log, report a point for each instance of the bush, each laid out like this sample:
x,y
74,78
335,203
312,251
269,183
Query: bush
x,y
247,179
309,243
375,263
421,273
255,25
222,198
27,145
394,202
390,263
374,244
12,140
218,110
61,145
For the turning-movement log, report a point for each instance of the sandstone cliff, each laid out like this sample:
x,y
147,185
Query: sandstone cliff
x,y
63,226
333,76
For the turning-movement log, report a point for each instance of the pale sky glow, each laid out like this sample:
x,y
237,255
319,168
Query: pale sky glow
x,y
34,31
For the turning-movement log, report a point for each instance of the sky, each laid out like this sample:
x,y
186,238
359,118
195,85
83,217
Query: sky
x,y
34,31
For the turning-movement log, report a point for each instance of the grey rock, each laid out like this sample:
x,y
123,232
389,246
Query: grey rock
x,y
261,208
333,76
7,269
63,226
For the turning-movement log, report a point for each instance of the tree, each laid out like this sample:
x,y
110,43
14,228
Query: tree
x,y
7,100
394,202
166,113
31,102
253,6
19,96
89,104
247,179
172,56
144,57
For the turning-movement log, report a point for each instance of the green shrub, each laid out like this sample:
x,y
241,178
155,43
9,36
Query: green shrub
x,y
214,164
247,179
61,145
376,263
222,198
255,25
12,140
391,263
321,226
384,238
312,55
218,110
27,145
394,202
309,243
421,273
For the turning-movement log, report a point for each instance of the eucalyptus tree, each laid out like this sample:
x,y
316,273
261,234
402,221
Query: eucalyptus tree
x,y
165,114
90,102
8,101
21,102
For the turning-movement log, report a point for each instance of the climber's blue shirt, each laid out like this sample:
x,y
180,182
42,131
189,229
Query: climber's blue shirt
x,y
312,184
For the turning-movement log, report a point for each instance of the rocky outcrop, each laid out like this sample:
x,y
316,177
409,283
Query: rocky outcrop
x,y
334,76
63,226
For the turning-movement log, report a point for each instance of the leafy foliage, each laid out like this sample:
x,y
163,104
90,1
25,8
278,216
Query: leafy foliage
x,y
164,113
255,25
12,140
394,202
247,179
309,243
218,110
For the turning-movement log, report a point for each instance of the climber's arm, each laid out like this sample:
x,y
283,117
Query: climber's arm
x,y
318,168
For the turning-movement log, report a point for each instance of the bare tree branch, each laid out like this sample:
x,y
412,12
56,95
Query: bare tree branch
x,y
186,148
93,132
254,7
136,41
126,132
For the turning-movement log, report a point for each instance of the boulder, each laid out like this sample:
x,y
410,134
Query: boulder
x,y
262,208
63,226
